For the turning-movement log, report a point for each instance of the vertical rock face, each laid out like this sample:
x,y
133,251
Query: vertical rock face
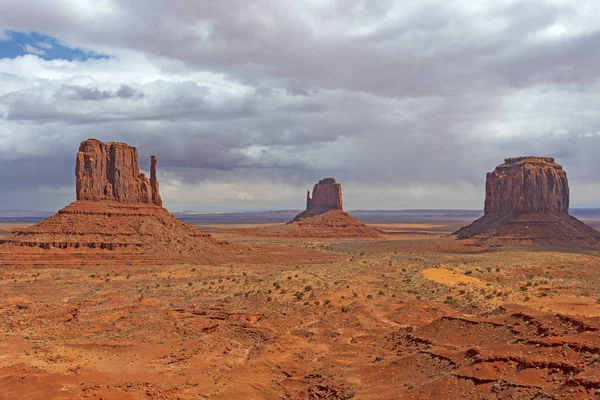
x,y
527,184
110,171
326,196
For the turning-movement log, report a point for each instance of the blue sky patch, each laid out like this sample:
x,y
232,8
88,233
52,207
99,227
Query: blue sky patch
x,y
18,43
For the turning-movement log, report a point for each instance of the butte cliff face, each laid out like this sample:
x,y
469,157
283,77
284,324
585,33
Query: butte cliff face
x,y
527,184
327,195
527,200
110,171
117,207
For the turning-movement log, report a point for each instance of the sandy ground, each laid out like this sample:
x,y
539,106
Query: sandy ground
x,y
413,314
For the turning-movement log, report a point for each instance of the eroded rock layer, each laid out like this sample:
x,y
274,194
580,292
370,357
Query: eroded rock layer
x,y
527,201
512,353
530,228
113,225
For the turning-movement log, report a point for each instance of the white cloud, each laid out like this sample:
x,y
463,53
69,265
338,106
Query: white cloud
x,y
33,50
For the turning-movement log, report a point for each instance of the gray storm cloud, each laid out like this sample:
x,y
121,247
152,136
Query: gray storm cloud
x,y
247,104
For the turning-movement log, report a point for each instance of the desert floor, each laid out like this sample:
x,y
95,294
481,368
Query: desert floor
x,y
414,314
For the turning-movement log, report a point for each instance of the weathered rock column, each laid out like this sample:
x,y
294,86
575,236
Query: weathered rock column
x,y
154,182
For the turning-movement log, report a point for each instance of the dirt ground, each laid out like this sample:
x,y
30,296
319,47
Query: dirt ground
x,y
413,314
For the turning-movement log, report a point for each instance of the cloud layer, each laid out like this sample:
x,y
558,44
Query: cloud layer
x,y
247,104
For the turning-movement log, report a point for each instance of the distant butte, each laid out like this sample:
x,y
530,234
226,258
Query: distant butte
x,y
324,215
117,207
327,196
527,201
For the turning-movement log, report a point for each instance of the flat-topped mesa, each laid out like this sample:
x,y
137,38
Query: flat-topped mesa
x,y
527,185
326,196
527,202
110,171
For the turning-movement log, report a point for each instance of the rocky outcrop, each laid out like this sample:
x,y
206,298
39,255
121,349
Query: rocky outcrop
x,y
110,171
527,184
527,201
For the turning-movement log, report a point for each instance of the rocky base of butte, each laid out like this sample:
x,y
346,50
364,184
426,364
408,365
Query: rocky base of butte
x,y
113,225
527,201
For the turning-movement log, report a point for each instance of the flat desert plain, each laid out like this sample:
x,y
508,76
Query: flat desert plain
x,y
412,314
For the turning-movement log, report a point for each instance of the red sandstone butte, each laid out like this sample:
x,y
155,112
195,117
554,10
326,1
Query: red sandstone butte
x,y
325,217
527,201
110,171
117,207
326,196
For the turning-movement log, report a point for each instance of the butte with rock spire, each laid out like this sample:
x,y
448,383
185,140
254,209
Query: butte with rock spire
x,y
117,208
527,201
325,215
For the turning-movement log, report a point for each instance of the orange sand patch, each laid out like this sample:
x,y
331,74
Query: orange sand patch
x,y
572,305
446,277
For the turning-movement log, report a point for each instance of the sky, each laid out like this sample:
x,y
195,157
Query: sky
x,y
248,103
